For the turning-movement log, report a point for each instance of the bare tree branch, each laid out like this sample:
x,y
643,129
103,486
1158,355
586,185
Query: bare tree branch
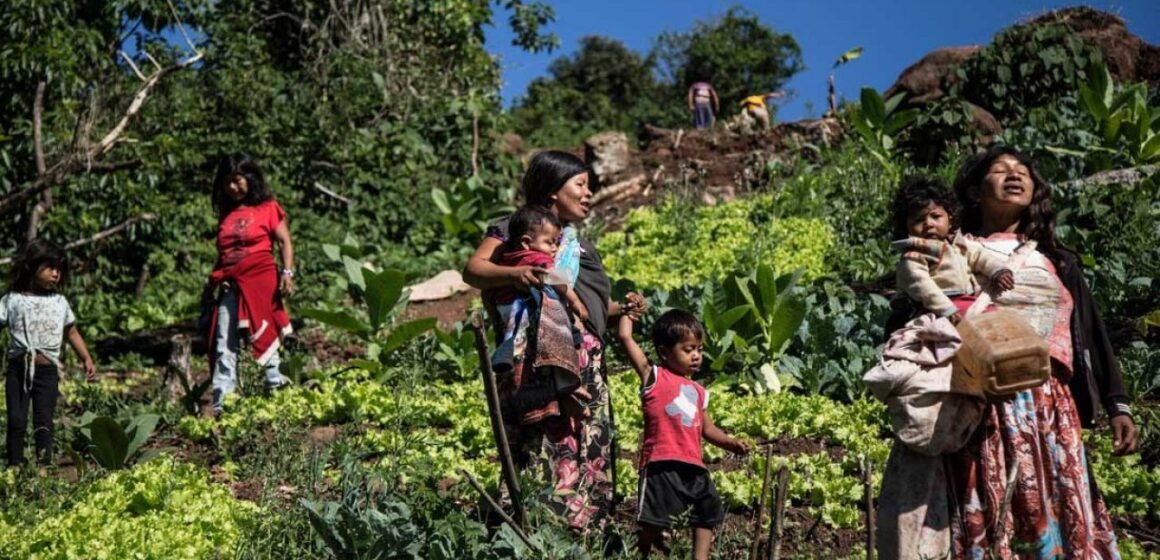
x,y
37,134
133,65
156,64
84,161
147,217
322,189
100,168
113,135
45,203
181,27
99,235
474,145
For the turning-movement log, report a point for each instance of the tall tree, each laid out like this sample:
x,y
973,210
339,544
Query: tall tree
x,y
603,85
737,53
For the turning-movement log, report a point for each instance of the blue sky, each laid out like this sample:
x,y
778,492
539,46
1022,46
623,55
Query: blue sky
x,y
894,34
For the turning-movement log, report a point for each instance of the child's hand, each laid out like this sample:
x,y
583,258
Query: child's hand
x,y
739,446
955,318
1004,280
90,370
634,306
580,311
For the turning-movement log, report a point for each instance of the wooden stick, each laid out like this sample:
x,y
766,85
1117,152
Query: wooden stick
x,y
507,466
778,513
761,504
868,485
511,523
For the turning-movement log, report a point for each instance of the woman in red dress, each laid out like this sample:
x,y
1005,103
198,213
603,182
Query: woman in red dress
x,y
247,282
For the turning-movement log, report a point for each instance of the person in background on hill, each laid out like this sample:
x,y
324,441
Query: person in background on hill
x,y
703,103
574,454
673,477
39,319
755,107
248,284
1023,482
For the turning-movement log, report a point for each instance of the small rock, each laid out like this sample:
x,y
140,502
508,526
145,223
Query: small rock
x,y
608,154
442,286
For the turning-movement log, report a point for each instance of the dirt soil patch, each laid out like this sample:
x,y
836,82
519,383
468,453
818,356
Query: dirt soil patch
x,y
711,165
447,311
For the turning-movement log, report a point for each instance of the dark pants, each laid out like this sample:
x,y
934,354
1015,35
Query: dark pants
x,y
42,398
703,115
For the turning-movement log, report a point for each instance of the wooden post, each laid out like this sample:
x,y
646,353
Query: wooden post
x,y
511,523
761,504
506,465
868,485
778,512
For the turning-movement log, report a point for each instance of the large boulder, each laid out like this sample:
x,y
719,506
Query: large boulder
x,y
925,80
609,156
1128,57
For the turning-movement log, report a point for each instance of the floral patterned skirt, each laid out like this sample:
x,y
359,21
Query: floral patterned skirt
x,y
1055,510
572,456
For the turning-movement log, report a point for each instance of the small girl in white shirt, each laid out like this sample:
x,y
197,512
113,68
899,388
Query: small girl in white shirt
x,y
40,319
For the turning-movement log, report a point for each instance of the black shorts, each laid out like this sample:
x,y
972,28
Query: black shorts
x,y
669,489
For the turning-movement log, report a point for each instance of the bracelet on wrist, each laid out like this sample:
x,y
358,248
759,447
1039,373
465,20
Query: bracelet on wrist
x,y
288,272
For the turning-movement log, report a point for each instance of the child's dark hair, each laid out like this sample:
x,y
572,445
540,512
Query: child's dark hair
x,y
528,218
674,325
916,193
35,254
233,165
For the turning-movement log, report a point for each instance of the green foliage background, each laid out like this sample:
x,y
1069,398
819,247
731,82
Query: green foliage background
x,y
378,109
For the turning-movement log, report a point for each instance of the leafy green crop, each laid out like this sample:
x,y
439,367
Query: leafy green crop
x,y
158,510
680,243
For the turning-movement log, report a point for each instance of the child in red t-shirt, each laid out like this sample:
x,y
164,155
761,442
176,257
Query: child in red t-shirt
x,y
673,476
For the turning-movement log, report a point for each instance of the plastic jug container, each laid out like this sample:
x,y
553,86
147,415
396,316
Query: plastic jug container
x,y
1001,355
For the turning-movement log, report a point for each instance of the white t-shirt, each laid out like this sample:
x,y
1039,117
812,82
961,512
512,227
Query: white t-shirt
x,y
38,323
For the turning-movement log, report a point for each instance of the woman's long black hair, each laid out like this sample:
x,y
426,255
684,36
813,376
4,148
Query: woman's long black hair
x,y
1036,222
33,255
547,173
230,166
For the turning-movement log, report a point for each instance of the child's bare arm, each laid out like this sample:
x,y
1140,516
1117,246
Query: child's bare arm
x,y
988,265
578,308
78,344
718,437
635,355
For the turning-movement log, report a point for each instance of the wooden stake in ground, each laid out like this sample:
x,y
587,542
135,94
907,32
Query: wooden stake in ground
x,y
479,488
761,503
868,485
778,512
506,465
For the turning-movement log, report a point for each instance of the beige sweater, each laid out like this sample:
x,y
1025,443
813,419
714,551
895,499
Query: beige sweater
x,y
931,272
